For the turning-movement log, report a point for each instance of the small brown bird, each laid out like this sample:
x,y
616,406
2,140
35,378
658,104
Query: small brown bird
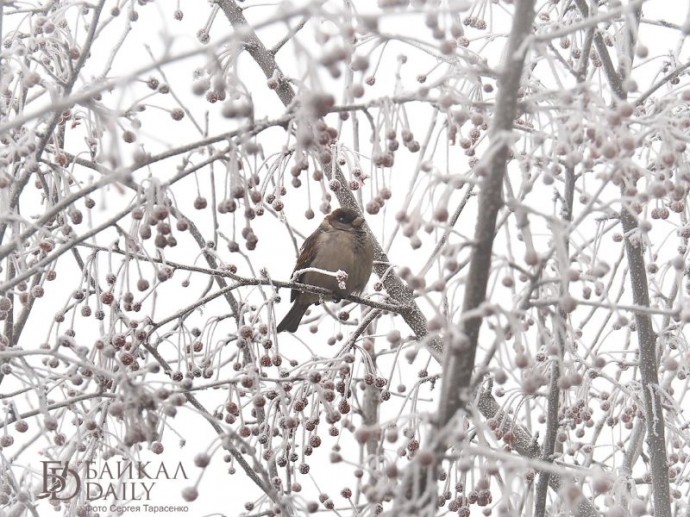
x,y
339,243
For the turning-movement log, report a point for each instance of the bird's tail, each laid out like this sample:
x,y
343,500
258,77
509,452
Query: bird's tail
x,y
292,319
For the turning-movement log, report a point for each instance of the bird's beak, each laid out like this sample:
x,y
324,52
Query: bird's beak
x,y
358,222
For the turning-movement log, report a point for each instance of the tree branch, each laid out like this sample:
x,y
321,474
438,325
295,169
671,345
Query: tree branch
x,y
458,363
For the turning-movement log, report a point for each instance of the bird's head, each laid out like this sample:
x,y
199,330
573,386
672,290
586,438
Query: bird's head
x,y
345,219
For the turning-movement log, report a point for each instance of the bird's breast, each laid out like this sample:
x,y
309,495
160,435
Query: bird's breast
x,y
336,251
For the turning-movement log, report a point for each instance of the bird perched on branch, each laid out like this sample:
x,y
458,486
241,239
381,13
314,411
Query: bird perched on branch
x,y
340,243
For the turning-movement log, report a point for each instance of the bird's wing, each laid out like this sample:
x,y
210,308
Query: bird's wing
x,y
306,257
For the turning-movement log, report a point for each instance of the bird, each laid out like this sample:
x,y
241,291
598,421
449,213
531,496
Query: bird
x,y
341,242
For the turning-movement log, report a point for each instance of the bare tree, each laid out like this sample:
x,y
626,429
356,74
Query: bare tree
x,y
523,170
